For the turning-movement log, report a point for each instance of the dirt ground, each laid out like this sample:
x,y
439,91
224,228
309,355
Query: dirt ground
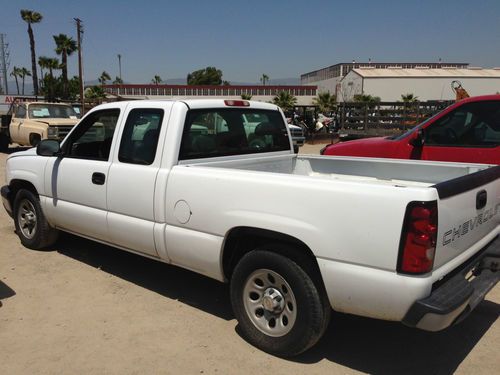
x,y
84,308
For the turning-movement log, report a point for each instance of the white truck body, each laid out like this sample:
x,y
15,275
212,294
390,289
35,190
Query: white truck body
x,y
348,212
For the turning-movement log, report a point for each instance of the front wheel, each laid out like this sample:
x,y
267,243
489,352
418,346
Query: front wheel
x,y
31,226
4,142
279,308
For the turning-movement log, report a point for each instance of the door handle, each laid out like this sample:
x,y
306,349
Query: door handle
x,y
481,199
98,178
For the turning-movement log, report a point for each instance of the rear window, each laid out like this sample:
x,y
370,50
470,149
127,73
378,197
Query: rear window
x,y
221,132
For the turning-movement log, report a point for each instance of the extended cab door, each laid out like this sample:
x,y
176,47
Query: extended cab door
x,y
132,177
469,133
77,182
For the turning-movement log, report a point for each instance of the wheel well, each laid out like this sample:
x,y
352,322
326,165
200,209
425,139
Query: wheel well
x,y
242,240
16,185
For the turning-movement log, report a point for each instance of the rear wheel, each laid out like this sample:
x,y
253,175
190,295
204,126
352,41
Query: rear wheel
x,y
31,226
279,308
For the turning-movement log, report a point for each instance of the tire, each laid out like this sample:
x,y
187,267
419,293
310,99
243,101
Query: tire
x,y
4,142
278,306
35,139
31,226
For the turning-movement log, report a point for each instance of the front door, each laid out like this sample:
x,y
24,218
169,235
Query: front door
x,y
77,182
470,133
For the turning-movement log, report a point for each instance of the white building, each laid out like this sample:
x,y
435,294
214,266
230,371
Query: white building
x,y
428,84
328,79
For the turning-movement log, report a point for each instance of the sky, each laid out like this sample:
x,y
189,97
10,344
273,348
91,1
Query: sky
x,y
246,39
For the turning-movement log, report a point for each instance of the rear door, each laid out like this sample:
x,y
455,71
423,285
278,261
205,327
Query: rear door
x,y
469,210
132,177
470,133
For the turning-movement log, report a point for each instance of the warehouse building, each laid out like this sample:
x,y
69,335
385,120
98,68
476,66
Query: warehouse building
x,y
328,79
426,83
265,93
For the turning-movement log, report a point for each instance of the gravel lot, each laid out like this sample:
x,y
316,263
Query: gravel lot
x,y
84,308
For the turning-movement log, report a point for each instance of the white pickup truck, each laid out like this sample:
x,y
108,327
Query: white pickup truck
x,y
409,241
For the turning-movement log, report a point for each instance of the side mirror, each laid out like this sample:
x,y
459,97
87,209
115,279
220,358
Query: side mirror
x,y
48,147
418,139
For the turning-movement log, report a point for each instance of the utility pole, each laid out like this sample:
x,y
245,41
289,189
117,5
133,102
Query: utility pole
x,y
4,61
79,30
120,66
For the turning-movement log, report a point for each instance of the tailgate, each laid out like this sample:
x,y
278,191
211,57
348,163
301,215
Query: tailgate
x,y
468,209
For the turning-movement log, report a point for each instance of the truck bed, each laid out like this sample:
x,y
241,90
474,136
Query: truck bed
x,y
363,170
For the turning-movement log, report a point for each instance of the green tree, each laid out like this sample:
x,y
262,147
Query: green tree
x,y
104,78
23,73
246,96
285,100
43,63
65,46
264,79
325,101
74,88
118,81
409,98
95,93
208,76
363,98
51,87
16,73
31,17
156,80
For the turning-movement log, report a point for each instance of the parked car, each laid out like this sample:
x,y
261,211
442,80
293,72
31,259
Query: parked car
x,y
467,131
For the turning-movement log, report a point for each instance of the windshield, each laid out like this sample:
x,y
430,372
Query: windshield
x,y
51,111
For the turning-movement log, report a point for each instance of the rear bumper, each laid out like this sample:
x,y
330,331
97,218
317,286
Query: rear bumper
x,y
452,300
6,195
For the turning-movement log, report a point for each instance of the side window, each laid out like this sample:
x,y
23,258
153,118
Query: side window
x,y
471,125
222,132
20,111
93,136
140,136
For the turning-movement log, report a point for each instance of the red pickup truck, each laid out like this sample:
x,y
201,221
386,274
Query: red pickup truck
x,y
467,131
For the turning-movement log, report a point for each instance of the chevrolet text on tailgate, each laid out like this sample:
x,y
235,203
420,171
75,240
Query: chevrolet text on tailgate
x,y
192,183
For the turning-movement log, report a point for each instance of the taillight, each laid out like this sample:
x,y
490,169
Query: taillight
x,y
236,103
418,239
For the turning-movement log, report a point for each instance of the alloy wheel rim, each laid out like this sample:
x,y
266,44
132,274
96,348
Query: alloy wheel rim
x,y
26,218
270,302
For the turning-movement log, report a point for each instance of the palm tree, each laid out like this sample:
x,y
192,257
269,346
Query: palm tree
x,y
51,63
65,46
264,79
156,80
16,72
30,17
285,100
43,62
104,77
409,98
118,81
23,72
325,101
